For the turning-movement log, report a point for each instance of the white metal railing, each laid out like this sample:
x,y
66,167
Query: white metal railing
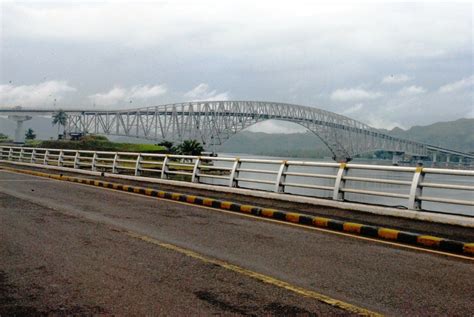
x,y
318,179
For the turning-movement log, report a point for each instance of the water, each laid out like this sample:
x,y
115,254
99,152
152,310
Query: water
x,y
353,197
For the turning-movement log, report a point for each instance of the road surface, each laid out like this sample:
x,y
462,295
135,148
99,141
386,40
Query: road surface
x,y
73,249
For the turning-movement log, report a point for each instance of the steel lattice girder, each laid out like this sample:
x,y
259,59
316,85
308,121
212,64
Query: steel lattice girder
x,y
215,121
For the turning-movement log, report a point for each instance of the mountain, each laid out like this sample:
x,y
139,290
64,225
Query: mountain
x,y
287,145
455,135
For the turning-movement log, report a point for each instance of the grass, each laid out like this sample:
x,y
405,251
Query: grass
x,y
98,143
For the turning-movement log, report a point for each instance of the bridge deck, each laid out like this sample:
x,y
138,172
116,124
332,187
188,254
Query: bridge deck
x,y
77,253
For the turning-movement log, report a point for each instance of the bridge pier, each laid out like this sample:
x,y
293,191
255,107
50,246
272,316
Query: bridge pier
x,y
342,159
397,157
448,160
19,132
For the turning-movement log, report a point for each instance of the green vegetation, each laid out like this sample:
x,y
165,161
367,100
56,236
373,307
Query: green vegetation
x,y
170,148
32,143
60,119
4,138
30,134
190,147
100,143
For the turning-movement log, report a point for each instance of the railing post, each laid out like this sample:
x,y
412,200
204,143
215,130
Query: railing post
x,y
281,176
114,163
60,158
138,165
46,158
94,161
10,154
33,156
196,170
234,174
338,194
164,168
77,159
416,189
20,159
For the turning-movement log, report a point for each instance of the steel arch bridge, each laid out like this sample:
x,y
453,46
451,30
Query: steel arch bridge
x,y
213,122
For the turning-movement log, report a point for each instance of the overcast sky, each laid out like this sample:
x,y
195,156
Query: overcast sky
x,y
385,64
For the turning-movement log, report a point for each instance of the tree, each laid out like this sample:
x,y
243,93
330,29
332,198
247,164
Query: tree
x,y
60,119
168,145
190,147
3,137
30,134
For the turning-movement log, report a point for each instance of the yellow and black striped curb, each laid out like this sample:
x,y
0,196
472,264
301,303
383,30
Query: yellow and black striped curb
x,y
405,237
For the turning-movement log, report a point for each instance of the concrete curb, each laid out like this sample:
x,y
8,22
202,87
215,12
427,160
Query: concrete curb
x,y
405,237
455,220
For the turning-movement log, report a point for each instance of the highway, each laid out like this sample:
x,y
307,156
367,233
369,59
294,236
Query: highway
x,y
68,248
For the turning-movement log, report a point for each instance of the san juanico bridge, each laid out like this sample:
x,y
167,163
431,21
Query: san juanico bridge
x,y
415,210
236,158
216,121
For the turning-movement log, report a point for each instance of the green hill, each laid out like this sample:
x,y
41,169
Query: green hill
x,y
456,135
287,145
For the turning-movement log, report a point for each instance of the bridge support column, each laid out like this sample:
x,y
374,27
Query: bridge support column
x,y
434,159
19,132
342,159
397,157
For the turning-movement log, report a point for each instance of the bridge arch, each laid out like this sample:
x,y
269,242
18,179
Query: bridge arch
x,y
218,120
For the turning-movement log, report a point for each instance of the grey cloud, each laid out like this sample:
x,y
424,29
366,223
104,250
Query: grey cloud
x,y
330,56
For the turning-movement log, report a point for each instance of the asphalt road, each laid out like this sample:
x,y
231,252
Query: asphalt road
x,y
64,249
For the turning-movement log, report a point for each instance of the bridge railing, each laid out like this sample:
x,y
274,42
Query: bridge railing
x,y
408,187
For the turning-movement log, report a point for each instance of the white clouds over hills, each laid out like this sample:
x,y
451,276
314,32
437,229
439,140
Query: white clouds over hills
x,y
464,83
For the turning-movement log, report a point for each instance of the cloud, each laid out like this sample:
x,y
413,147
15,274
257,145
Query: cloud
x,y
33,95
389,29
277,126
381,122
118,94
457,85
146,91
411,91
354,94
202,93
353,109
109,98
396,79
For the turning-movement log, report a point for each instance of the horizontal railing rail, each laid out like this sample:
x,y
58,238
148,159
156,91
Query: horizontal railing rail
x,y
318,179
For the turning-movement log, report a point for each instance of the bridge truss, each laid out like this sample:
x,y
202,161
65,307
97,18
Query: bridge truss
x,y
213,122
